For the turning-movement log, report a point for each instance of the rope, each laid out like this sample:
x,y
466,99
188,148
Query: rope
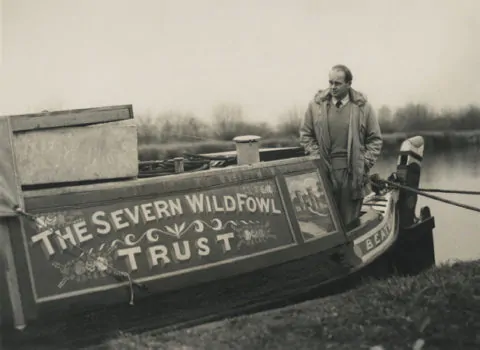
x,y
421,193
448,191
116,272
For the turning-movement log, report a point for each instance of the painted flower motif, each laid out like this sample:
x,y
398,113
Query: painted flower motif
x,y
101,263
79,268
254,233
50,220
90,265
247,235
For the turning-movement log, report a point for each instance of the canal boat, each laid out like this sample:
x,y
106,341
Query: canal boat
x,y
95,241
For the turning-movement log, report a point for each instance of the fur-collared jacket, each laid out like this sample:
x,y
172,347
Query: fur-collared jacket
x,y
364,136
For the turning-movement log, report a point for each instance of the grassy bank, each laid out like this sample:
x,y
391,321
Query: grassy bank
x,y
439,309
434,140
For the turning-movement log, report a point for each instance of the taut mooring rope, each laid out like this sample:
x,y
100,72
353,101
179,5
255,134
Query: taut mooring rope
x,y
422,193
449,191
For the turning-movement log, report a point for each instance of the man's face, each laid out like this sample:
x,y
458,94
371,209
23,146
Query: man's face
x,y
338,86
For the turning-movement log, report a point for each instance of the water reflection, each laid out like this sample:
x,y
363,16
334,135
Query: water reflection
x,y
457,232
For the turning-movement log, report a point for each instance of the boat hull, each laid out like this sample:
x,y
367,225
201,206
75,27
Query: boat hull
x,y
184,249
312,276
167,233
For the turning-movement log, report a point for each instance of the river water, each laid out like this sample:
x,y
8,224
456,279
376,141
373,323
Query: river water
x,y
457,231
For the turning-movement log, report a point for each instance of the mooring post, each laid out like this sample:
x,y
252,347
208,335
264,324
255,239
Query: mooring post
x,y
408,171
415,250
247,149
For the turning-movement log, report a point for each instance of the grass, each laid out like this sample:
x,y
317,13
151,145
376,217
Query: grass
x,y
439,309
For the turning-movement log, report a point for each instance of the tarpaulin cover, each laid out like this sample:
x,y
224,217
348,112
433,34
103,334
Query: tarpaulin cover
x,y
9,193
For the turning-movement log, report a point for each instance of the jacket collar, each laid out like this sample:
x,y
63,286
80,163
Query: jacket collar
x,y
355,96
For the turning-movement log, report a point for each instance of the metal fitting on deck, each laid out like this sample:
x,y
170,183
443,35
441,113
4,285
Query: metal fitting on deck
x,y
247,149
178,163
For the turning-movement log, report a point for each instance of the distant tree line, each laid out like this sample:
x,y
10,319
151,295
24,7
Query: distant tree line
x,y
420,117
228,120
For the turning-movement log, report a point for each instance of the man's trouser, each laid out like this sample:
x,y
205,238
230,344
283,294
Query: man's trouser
x,y
349,209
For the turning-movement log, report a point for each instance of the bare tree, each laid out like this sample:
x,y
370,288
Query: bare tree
x,y
385,114
227,119
413,117
289,123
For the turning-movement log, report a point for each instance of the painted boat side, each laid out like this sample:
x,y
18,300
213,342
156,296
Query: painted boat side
x,y
317,274
359,248
41,278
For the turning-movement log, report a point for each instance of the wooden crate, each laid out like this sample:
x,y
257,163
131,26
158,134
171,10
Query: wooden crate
x,y
72,146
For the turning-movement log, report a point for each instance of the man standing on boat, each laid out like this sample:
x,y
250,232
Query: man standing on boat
x,y
341,127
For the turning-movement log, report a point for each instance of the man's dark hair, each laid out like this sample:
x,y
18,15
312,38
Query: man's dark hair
x,y
346,70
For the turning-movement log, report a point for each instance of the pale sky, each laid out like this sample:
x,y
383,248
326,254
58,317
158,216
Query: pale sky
x,y
267,55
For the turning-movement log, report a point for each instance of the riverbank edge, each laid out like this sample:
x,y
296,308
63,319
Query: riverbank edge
x,y
438,309
434,140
